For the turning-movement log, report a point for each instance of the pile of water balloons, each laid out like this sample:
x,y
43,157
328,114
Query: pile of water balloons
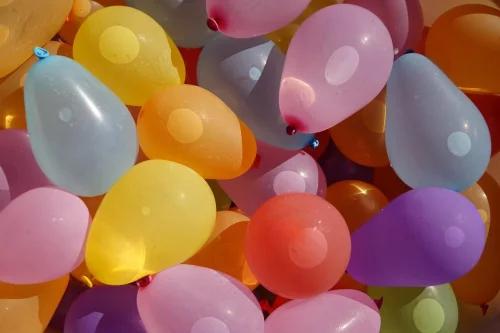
x,y
249,166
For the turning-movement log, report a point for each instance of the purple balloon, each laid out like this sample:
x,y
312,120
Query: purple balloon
x,y
424,237
74,289
105,309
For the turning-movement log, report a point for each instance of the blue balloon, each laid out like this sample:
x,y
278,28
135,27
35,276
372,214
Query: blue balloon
x,y
83,137
246,75
435,135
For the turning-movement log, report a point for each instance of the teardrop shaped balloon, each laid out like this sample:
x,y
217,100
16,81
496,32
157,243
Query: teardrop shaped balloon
x,y
346,67
244,19
29,308
332,312
463,42
42,234
25,24
417,310
435,135
128,51
194,299
246,75
83,137
424,237
157,215
192,126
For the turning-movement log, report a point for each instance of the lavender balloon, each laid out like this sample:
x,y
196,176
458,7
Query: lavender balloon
x,y
424,237
105,310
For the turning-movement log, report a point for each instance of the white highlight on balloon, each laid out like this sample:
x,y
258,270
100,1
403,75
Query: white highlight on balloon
x,y
459,143
341,65
209,324
288,182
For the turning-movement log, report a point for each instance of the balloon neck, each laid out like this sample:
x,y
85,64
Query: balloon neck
x,y
291,130
41,53
144,282
212,24
314,144
484,308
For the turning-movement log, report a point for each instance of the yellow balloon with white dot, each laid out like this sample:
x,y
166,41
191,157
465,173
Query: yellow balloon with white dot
x,y
128,51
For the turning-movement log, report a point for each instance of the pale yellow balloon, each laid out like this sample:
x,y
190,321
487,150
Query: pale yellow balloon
x,y
157,215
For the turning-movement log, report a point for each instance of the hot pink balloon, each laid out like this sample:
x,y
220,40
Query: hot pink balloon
x,y
342,311
403,18
338,61
250,18
194,299
42,234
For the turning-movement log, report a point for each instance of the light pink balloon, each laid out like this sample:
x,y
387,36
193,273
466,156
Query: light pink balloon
x,y
403,18
277,171
338,61
332,312
250,18
42,234
193,299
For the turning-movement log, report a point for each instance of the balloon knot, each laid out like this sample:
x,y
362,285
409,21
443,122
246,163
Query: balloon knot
x,y
314,144
379,302
291,130
144,282
41,53
212,24
87,281
484,308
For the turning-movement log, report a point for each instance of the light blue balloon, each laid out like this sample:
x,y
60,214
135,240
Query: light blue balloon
x,y
184,20
83,136
435,135
246,75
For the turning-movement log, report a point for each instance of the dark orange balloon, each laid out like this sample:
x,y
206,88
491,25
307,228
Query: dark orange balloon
x,y
92,203
12,111
389,183
191,57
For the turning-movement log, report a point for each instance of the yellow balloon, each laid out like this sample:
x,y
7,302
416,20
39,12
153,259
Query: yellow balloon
x,y
128,51
29,308
157,215
79,12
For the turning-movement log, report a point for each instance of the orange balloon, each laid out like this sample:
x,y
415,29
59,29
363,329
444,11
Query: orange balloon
x,y
92,203
108,3
433,9
477,196
389,183
192,126
464,43
361,137
494,167
12,111
79,12
82,274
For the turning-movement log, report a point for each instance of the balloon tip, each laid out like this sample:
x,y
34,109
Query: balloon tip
x,y
212,24
314,144
41,53
87,281
291,130
144,282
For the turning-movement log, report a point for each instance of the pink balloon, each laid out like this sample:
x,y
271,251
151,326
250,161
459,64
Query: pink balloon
x,y
42,234
338,61
277,171
332,312
250,18
403,18
194,299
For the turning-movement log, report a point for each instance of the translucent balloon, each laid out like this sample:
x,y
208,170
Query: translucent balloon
x,y
79,12
340,311
275,172
185,20
361,137
244,19
463,42
28,308
347,67
128,51
158,214
432,246
195,299
42,234
192,126
26,24
297,245
105,309
433,9
417,310
435,135
83,137
246,74
403,18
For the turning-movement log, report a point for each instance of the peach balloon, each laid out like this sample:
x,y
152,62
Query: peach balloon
x,y
79,12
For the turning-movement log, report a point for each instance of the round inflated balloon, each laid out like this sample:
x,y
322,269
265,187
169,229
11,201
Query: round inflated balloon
x,y
158,214
297,245
128,51
417,310
105,310
339,311
477,196
42,234
347,67
424,237
79,12
83,137
484,318
73,289
28,308
25,24
275,172
463,42
243,18
433,9
192,126
403,19
361,137
195,299
435,135
246,75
